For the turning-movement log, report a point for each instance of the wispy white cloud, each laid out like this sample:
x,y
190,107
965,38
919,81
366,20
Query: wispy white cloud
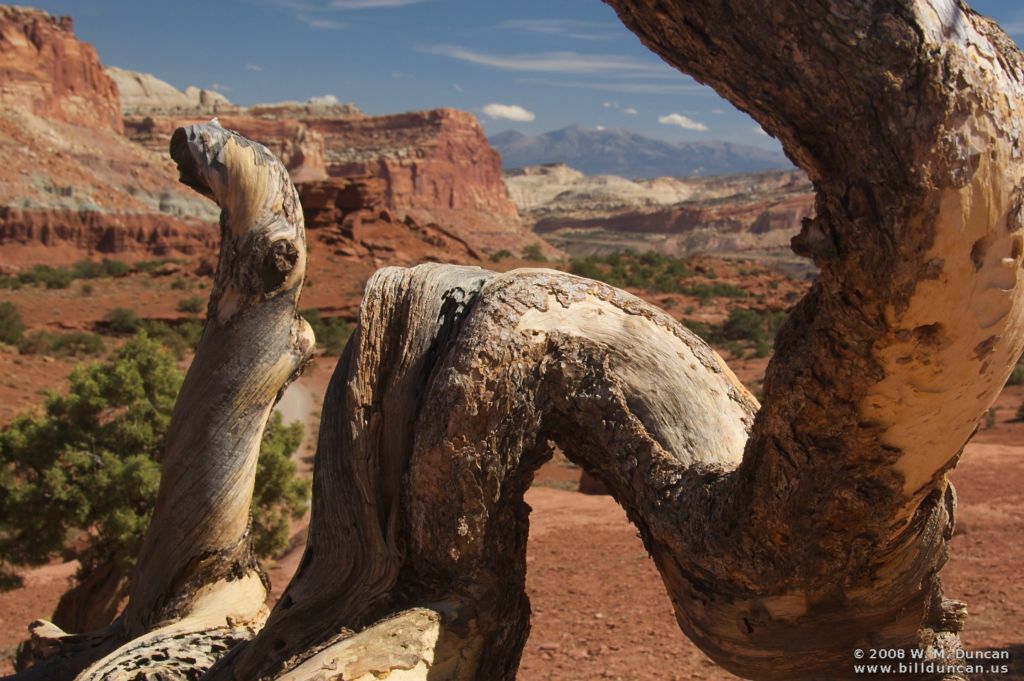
x,y
457,87
323,100
625,86
219,87
630,111
610,105
321,23
550,62
600,128
512,112
760,131
682,121
253,67
565,28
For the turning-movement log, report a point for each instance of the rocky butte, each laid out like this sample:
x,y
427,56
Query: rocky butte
x,y
434,168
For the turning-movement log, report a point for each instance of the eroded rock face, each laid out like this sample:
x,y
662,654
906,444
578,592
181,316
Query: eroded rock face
x,y
436,166
584,214
70,183
144,93
44,69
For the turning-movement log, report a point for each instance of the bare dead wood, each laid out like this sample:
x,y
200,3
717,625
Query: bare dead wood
x,y
782,552
197,579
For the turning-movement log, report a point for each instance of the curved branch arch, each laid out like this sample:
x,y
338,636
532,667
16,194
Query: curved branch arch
x,y
823,531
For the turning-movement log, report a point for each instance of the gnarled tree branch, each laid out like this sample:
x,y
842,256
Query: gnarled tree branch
x,y
822,532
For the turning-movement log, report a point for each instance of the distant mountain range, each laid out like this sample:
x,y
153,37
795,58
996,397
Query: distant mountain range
x,y
616,151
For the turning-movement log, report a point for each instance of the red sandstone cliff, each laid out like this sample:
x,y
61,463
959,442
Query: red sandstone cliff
x,y
45,69
70,183
436,166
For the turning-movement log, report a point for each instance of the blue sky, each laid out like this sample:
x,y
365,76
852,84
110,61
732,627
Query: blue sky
x,y
528,65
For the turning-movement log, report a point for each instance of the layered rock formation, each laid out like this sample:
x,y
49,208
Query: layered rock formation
x,y
143,93
436,166
582,214
349,216
70,183
76,177
45,70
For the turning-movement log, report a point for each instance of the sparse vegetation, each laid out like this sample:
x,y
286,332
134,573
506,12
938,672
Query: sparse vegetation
x,y
86,468
12,328
759,326
498,256
331,332
61,277
179,338
650,271
533,252
68,344
122,321
192,304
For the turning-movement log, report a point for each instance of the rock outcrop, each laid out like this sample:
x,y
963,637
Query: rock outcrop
x,y
144,93
45,70
436,166
70,183
583,214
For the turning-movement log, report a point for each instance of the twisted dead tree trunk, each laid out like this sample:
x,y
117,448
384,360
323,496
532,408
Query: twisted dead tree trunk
x,y
198,589
822,532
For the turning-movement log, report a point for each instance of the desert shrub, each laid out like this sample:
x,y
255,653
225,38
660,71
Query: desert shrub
x,y
752,325
533,252
122,321
12,328
179,337
649,271
86,467
90,269
331,333
179,284
498,256
192,304
44,275
148,266
279,494
69,344
1017,375
85,290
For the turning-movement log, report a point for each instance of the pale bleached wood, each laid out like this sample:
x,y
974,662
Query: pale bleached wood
x,y
197,576
782,553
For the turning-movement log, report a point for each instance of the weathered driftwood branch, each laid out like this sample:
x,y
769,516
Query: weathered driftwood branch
x,y
823,532
831,533
198,586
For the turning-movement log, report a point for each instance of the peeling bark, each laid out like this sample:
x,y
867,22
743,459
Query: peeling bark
x,y
786,536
